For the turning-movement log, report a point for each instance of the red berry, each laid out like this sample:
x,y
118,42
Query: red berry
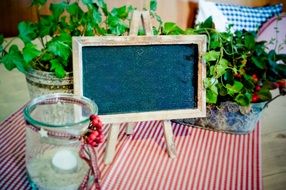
x,y
255,98
94,144
99,124
93,135
99,130
282,83
275,85
255,78
257,88
98,141
99,127
99,138
95,122
237,75
93,117
89,140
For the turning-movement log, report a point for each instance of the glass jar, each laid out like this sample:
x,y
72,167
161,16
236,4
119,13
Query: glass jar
x,y
55,123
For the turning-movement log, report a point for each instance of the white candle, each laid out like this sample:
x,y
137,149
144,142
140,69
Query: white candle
x,y
64,161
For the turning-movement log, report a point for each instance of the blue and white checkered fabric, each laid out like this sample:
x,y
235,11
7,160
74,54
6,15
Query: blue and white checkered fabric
x,y
248,18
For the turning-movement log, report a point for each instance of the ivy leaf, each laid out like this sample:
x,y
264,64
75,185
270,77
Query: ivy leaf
x,y
47,26
121,12
189,31
103,6
228,76
211,90
96,16
60,46
211,55
248,82
27,31
118,30
221,67
117,26
30,52
87,2
58,68
47,56
209,82
153,5
171,28
155,31
243,99
215,41
208,23
235,88
100,30
74,10
14,59
211,96
249,41
38,2
264,94
258,62
281,70
57,9
112,21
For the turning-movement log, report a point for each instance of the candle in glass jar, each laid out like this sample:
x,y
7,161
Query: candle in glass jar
x,y
64,161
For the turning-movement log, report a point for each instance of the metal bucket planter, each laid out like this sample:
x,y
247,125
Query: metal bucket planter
x,y
228,117
41,82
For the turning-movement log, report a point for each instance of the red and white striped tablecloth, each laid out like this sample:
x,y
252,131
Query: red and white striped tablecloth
x,y
206,159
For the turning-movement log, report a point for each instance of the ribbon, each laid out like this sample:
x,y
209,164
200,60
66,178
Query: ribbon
x,y
88,153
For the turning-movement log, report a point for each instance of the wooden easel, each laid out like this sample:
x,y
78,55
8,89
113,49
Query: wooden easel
x,y
137,18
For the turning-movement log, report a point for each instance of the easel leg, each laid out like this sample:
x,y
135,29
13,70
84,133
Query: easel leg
x,y
130,128
169,137
111,143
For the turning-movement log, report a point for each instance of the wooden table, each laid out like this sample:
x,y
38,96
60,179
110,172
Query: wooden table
x,y
206,159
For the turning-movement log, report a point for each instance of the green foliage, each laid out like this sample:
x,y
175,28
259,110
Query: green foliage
x,y
238,67
55,32
30,52
14,59
27,31
153,5
60,46
171,28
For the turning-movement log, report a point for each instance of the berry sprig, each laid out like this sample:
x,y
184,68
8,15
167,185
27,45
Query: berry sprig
x,y
94,135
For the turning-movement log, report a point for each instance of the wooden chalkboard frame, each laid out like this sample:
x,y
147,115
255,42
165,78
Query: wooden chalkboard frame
x,y
200,40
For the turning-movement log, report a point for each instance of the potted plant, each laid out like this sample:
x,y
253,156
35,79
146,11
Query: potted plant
x,y
240,76
44,53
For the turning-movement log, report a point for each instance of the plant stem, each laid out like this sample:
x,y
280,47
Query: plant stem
x,y
271,100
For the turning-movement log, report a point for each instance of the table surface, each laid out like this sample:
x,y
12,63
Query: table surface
x,y
205,160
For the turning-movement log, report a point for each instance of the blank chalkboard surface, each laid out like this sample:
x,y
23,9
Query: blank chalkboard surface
x,y
141,78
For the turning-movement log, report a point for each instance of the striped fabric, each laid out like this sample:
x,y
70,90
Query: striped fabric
x,y
206,159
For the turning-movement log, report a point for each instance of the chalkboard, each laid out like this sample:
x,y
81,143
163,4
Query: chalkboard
x,y
141,78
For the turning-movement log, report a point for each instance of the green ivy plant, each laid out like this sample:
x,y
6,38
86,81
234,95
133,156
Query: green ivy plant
x,y
239,69
55,31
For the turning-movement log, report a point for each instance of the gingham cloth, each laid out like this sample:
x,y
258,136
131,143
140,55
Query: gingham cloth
x,y
248,18
205,159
